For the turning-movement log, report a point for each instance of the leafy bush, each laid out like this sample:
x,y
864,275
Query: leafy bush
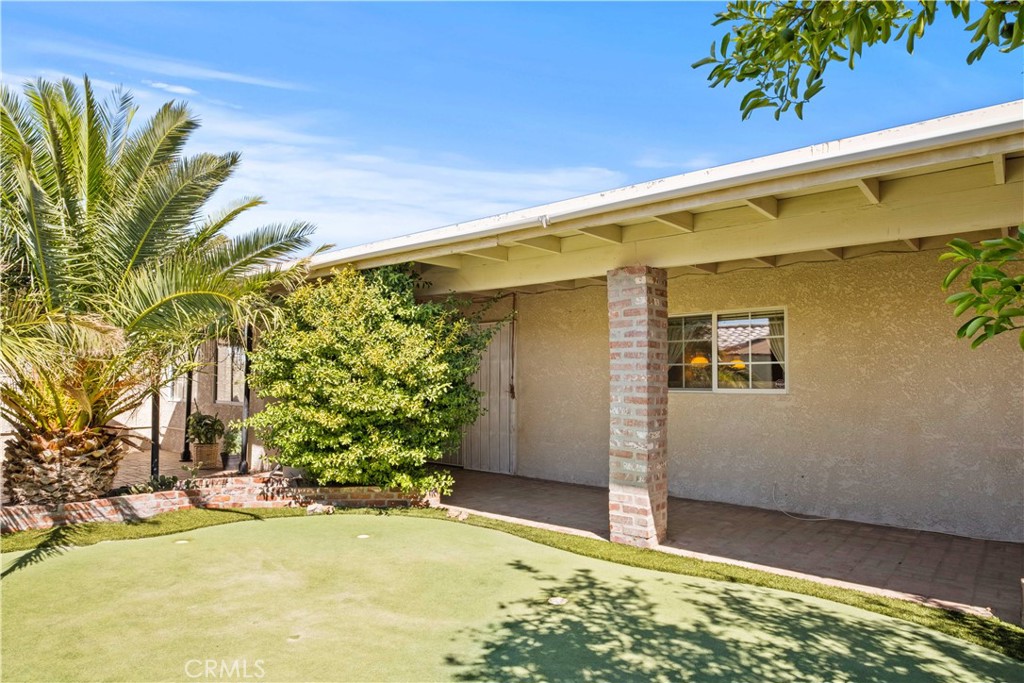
x,y
367,384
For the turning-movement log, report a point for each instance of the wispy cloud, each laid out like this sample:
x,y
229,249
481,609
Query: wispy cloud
x,y
357,194
171,88
154,64
357,197
678,163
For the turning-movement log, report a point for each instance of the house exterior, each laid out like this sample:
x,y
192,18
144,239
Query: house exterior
x,y
769,333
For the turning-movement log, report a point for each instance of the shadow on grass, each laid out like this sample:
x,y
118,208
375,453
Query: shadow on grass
x,y
618,631
56,541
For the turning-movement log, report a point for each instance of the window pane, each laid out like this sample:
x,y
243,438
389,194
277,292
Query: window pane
x,y
675,352
675,329
237,373
675,377
697,327
697,376
735,375
223,375
768,376
697,353
776,323
737,334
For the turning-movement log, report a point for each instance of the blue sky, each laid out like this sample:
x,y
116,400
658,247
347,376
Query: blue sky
x,y
379,119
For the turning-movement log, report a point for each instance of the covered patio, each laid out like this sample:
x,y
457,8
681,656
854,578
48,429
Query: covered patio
x,y
974,575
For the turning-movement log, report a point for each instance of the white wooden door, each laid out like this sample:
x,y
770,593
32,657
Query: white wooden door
x,y
489,443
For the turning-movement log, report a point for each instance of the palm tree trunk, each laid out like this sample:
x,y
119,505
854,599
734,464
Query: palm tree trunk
x,y
60,467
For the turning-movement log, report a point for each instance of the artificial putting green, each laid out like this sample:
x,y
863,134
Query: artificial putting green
x,y
305,599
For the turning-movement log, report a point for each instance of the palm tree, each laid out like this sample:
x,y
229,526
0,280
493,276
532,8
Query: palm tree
x,y
110,272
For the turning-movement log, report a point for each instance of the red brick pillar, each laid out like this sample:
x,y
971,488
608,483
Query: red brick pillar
x,y
638,454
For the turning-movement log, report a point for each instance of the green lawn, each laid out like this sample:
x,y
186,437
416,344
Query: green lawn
x,y
305,599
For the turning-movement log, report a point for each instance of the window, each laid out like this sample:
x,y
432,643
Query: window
x,y
230,379
728,351
174,390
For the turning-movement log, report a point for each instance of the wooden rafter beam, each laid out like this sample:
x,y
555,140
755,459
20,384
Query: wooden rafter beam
x,y
999,166
711,268
680,220
548,244
490,254
872,189
607,233
836,254
766,260
766,206
914,243
591,282
452,261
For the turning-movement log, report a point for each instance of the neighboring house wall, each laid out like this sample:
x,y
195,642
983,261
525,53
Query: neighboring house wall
x,y
888,418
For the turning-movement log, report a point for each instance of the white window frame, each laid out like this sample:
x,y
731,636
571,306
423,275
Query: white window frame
x,y
235,348
714,351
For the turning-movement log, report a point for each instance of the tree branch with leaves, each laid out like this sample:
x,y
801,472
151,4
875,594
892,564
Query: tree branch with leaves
x,y
783,48
995,287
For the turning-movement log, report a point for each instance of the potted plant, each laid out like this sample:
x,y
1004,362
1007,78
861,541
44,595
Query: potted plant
x,y
229,446
203,431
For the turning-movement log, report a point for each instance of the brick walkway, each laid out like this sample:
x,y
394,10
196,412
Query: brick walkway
x,y
969,574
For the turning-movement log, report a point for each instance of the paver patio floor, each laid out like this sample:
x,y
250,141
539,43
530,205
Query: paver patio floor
x,y
134,467
976,575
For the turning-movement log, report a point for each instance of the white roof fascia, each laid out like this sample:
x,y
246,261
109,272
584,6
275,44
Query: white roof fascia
x,y
966,127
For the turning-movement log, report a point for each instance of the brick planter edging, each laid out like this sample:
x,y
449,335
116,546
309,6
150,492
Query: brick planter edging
x,y
217,493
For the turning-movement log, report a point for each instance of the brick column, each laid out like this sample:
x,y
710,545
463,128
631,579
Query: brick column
x,y
638,454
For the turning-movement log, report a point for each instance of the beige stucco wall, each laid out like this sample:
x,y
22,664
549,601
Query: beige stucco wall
x,y
889,418
562,385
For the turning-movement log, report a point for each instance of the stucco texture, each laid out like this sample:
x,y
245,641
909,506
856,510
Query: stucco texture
x,y
888,418
562,385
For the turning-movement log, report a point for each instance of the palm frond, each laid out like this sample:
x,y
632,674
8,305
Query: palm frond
x,y
259,247
155,146
211,230
163,216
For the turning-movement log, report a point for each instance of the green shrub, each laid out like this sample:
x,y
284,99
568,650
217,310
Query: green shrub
x,y
367,385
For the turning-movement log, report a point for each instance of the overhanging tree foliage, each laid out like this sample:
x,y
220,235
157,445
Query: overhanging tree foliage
x,y
366,385
784,47
995,287
110,273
